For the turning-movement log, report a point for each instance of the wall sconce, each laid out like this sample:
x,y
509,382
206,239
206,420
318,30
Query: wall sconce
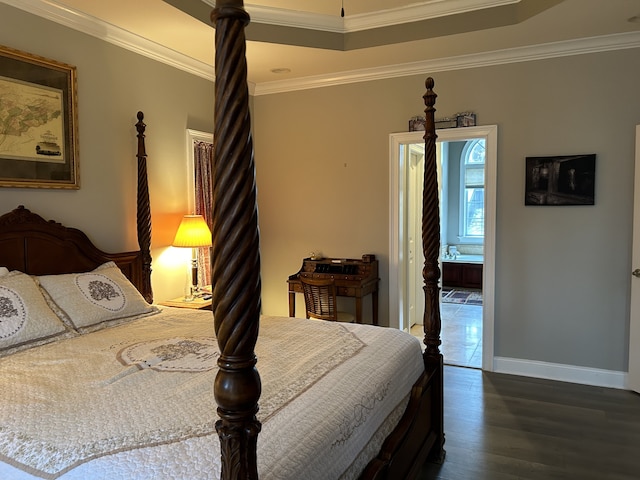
x,y
193,233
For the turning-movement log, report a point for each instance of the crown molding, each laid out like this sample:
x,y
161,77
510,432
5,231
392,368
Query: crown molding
x,y
366,21
291,18
137,44
115,35
418,13
499,57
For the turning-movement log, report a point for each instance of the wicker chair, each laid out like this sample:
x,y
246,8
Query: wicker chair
x,y
320,300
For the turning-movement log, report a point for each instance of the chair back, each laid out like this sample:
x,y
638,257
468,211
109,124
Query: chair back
x,y
320,298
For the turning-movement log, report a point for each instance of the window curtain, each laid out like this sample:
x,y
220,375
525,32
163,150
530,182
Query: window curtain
x,y
203,165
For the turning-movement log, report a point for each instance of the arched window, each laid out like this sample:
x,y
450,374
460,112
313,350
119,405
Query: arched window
x,y
472,191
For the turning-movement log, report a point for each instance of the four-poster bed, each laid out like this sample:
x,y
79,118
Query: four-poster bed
x,y
238,316
263,419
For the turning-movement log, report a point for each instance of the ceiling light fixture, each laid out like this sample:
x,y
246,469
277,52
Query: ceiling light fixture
x,y
278,71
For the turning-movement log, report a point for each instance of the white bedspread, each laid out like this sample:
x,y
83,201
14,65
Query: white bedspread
x,y
136,401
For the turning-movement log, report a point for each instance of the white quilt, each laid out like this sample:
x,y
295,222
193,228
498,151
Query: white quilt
x,y
136,401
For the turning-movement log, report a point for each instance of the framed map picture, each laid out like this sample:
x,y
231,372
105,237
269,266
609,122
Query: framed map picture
x,y
38,127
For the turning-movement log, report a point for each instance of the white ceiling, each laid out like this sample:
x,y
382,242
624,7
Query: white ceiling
x,y
442,34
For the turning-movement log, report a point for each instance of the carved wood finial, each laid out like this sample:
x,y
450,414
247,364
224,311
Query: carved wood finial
x,y
431,246
144,211
431,228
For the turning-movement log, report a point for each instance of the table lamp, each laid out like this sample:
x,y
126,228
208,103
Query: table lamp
x,y
193,233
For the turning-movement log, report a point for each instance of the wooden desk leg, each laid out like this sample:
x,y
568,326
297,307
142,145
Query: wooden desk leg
x,y
359,309
374,305
292,304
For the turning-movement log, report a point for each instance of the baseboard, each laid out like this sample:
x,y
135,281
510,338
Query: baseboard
x,y
560,372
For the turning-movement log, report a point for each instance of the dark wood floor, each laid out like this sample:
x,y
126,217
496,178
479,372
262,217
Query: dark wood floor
x,y
501,427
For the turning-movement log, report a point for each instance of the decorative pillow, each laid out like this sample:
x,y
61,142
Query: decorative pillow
x,y
3,271
94,297
25,317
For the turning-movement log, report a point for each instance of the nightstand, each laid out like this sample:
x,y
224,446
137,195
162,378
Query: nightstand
x,y
197,303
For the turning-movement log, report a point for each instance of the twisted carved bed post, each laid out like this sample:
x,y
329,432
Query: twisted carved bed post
x,y
144,212
431,272
236,258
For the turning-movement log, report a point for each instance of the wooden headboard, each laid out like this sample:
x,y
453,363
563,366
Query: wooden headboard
x,y
35,246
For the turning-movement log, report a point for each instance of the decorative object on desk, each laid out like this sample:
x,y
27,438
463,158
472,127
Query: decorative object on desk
x,y
193,233
560,180
39,130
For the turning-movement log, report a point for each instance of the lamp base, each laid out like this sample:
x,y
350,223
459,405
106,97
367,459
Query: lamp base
x,y
192,290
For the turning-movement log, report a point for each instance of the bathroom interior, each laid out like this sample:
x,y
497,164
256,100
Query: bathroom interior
x,y
462,168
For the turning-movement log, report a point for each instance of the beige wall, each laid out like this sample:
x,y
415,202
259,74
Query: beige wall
x,y
322,172
562,273
113,84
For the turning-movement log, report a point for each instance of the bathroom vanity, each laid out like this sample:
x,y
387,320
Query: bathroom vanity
x,y
465,271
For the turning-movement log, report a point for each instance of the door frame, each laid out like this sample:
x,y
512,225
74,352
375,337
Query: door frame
x,y
398,194
413,311
633,377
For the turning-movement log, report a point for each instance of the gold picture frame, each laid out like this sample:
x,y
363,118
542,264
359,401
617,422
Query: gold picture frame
x,y
38,122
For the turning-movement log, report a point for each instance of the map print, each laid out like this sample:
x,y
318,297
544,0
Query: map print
x,y
31,122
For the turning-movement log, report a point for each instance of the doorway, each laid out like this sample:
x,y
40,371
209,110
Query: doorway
x,y
405,259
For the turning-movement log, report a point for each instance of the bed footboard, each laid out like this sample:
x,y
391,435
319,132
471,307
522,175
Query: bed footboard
x,y
420,434
416,438
236,281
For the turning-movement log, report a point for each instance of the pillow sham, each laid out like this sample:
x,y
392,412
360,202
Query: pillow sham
x,y
25,317
91,298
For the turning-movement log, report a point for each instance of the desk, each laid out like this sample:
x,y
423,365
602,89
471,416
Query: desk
x,y
353,278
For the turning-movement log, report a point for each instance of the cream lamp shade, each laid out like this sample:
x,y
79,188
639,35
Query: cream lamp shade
x,y
193,232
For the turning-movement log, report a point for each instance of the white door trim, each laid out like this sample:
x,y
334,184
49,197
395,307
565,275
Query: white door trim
x,y
192,137
634,310
397,225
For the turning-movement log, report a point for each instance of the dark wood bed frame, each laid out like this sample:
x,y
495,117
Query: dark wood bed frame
x,y
420,433
33,245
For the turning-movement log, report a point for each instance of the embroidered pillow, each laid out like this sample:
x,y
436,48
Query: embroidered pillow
x,y
25,317
91,298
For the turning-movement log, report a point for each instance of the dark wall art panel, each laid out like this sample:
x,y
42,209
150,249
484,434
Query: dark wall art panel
x,y
560,180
